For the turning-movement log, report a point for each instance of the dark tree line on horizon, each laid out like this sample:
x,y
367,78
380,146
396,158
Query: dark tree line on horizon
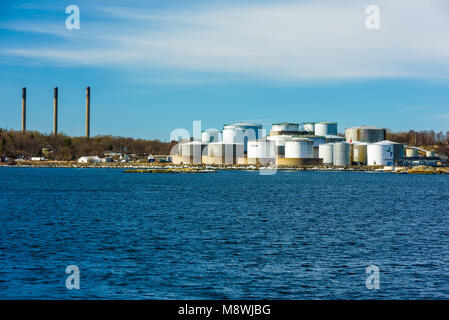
x,y
62,147
419,138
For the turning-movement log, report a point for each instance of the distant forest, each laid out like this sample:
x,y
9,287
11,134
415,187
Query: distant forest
x,y
437,141
62,147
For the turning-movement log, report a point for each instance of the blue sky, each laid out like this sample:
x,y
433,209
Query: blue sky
x,y
159,65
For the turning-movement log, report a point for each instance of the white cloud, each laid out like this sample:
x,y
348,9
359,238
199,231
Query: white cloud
x,y
288,41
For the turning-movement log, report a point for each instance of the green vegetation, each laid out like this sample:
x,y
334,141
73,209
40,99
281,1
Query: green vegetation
x,y
62,147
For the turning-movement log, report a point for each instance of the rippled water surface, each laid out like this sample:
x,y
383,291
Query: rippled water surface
x,y
225,235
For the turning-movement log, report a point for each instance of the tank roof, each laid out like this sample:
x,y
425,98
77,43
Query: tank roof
x,y
366,127
307,136
242,124
285,123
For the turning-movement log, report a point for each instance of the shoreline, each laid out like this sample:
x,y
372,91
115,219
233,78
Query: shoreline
x,y
160,167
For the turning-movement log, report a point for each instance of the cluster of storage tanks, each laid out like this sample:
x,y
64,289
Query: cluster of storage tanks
x,y
291,144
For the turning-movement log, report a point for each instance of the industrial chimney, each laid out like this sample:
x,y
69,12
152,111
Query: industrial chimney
x,y
88,112
24,109
55,112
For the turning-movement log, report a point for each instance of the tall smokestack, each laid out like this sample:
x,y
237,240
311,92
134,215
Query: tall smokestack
x,y
55,112
88,112
24,109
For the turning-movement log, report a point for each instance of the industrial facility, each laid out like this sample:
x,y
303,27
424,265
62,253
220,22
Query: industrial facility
x,y
288,144
294,144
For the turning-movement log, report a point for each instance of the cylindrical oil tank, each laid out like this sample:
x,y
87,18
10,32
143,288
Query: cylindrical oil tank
x,y
352,134
309,127
279,142
380,153
325,128
371,134
342,154
261,149
221,149
326,152
333,138
191,148
210,135
229,136
285,126
398,152
367,134
317,140
299,148
411,152
360,153
241,132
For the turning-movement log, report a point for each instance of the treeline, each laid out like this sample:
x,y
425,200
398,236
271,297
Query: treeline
x,y
438,141
421,138
62,147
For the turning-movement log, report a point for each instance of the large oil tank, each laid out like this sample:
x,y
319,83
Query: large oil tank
x,y
380,153
299,148
352,134
222,153
317,140
325,128
342,154
360,153
279,142
309,127
261,149
241,132
210,135
367,134
398,152
411,152
333,138
284,126
326,152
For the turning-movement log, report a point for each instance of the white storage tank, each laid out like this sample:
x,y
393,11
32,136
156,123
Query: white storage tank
x,y
342,154
191,148
325,128
411,152
261,149
299,148
360,153
333,138
317,140
224,153
241,132
367,134
326,152
284,126
380,154
210,135
309,127
279,142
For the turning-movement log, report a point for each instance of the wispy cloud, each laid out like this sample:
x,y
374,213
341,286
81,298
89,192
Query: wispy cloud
x,y
286,41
